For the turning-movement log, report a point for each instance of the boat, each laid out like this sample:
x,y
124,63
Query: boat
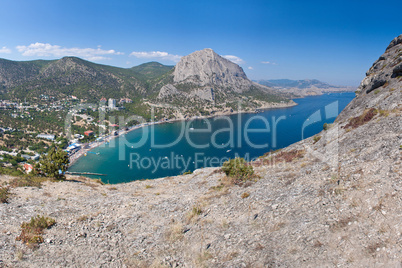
x,y
228,151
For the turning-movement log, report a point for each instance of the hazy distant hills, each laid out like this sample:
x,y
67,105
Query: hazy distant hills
x,y
303,87
287,83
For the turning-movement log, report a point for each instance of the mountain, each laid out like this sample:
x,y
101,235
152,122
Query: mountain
x,y
200,84
332,200
211,80
68,76
303,88
152,70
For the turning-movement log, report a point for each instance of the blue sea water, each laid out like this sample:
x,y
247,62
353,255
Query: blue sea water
x,y
172,148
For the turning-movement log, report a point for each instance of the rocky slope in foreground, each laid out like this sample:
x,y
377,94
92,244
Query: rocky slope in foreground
x,y
328,201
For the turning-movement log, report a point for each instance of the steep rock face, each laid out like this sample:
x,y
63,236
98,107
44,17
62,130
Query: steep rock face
x,y
381,87
204,80
205,67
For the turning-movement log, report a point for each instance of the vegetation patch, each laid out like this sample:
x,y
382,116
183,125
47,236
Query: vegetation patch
x,y
245,195
316,139
28,182
4,194
358,121
32,231
290,155
239,170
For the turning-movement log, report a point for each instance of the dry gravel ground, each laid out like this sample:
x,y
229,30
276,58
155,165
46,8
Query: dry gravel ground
x,y
337,204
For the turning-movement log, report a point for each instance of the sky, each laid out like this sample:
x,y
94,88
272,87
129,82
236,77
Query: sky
x,y
333,41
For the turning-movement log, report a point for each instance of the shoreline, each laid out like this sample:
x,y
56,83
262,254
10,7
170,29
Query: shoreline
x,y
81,152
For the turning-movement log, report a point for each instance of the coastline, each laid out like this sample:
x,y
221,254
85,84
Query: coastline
x,y
88,147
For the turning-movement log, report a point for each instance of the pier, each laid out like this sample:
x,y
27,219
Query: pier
x,y
84,173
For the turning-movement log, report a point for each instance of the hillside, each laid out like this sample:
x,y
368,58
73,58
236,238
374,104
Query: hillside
x,y
177,91
330,200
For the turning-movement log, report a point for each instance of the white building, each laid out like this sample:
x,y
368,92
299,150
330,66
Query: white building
x,y
112,104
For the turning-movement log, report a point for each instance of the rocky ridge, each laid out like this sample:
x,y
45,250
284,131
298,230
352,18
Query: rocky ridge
x,y
334,199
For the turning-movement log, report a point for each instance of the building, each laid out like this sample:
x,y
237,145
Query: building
x,y
89,133
46,136
112,104
28,168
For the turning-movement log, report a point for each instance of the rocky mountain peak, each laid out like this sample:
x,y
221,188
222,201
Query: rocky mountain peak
x,y
381,88
205,67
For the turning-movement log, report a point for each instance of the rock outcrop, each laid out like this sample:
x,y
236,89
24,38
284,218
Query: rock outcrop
x,y
330,200
208,79
205,67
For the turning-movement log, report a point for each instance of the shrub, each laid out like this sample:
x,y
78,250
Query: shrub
x,y
316,139
4,193
290,155
238,169
245,195
188,172
362,119
32,231
325,126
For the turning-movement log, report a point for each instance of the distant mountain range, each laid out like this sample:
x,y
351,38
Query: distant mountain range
x,y
304,87
200,84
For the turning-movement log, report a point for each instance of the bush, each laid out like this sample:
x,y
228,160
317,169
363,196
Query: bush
x,y
325,126
32,231
238,169
4,193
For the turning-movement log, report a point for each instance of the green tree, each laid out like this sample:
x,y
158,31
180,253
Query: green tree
x,y
54,163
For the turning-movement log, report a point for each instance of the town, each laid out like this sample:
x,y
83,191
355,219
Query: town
x,y
28,129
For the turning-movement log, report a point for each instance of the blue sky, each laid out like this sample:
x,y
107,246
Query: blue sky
x,y
333,41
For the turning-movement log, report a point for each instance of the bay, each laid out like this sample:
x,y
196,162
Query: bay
x,y
170,149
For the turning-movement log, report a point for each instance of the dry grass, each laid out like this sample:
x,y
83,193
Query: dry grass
x,y
194,213
245,195
4,194
175,232
290,155
342,223
358,121
28,181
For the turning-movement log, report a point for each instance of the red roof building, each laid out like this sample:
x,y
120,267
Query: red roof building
x,y
88,133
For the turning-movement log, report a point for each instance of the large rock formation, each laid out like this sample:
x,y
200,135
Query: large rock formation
x,y
206,76
205,67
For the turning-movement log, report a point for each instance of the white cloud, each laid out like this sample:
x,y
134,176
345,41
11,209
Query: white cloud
x,y
234,59
48,50
5,50
250,68
156,55
269,62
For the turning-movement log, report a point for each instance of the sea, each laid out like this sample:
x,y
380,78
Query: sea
x,y
170,149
